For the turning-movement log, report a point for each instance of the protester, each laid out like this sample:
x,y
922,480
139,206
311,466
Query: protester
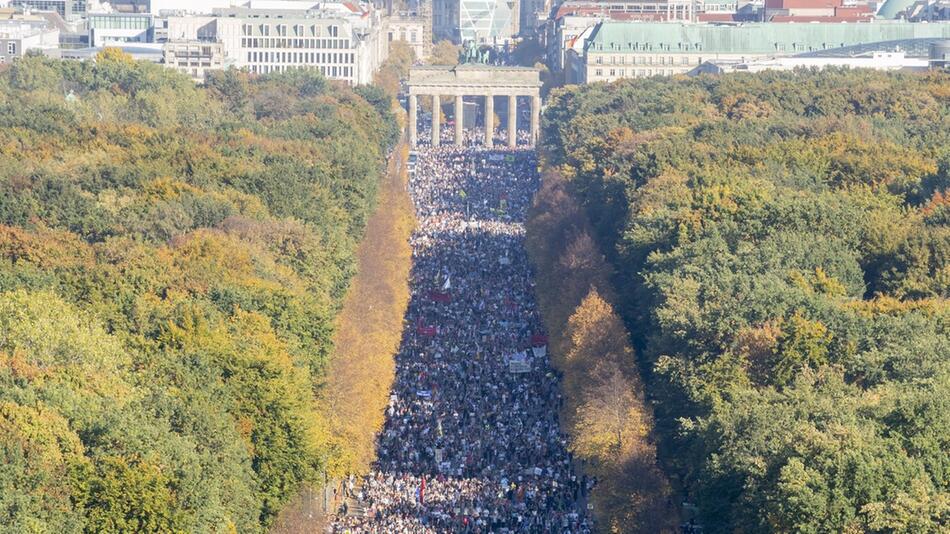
x,y
471,441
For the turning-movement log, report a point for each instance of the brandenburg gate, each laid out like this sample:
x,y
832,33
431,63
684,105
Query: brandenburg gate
x,y
475,80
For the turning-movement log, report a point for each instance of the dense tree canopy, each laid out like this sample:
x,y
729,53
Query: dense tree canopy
x,y
781,244
604,412
172,258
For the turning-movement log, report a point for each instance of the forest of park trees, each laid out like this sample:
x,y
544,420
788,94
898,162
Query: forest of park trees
x,y
172,261
605,413
780,249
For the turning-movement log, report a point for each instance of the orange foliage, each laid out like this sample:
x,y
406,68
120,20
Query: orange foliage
x,y
605,413
47,249
368,332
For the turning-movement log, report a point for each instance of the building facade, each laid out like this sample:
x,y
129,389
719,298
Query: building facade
x,y
18,37
874,60
68,9
194,58
815,11
414,31
343,41
445,20
491,22
119,28
534,14
635,50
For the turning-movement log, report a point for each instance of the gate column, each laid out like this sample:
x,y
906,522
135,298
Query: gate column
x,y
535,119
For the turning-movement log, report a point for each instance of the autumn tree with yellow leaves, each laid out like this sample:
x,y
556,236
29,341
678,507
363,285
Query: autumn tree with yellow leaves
x,y
605,413
779,243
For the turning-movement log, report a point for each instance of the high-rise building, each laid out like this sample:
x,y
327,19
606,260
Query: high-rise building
x,y
490,22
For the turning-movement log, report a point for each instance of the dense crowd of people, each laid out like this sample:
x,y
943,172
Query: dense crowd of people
x,y
471,441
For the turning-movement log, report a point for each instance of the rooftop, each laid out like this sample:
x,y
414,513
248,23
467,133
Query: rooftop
x,y
752,38
909,47
21,29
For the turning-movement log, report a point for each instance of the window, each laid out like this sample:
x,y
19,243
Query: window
x,y
598,72
11,48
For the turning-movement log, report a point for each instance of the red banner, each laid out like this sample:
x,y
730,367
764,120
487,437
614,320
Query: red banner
x,y
438,296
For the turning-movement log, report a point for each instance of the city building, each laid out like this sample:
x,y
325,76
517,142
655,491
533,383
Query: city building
x,y
574,17
940,55
17,37
138,51
194,58
491,22
445,20
873,60
343,40
563,33
412,29
925,11
534,16
893,9
816,11
640,10
614,50
131,6
68,9
119,28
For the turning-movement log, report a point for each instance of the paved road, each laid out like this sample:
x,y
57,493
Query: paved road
x,y
471,441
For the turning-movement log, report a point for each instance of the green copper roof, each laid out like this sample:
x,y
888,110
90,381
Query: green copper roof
x,y
752,38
